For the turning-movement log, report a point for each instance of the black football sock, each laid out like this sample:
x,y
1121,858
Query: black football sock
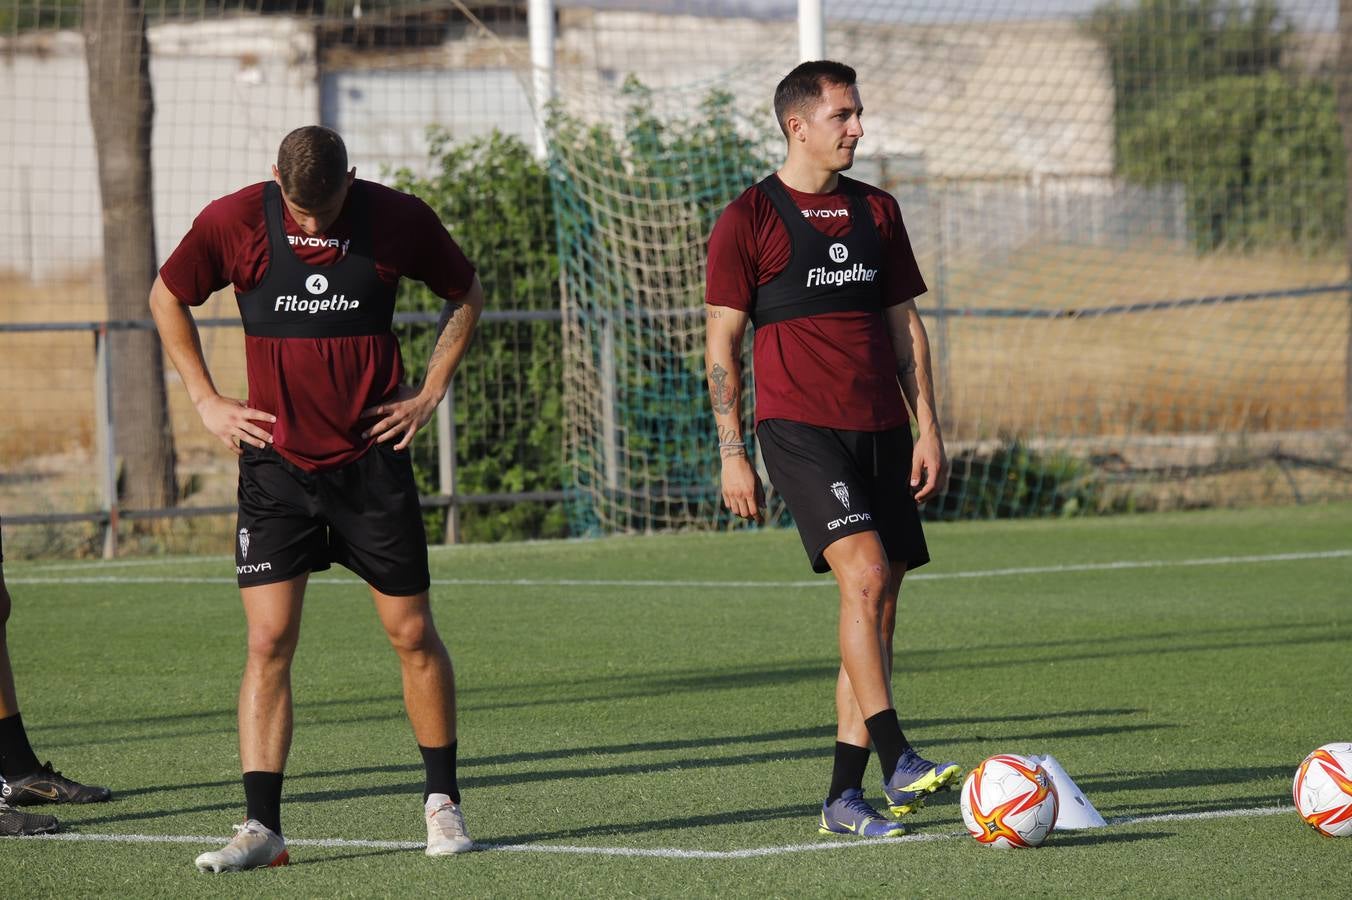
x,y
848,773
16,756
263,798
440,765
888,740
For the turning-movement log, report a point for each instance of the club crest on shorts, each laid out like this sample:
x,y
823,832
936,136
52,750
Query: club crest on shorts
x,y
842,492
244,543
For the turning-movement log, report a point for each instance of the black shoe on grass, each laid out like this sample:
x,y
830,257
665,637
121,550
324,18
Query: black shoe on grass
x,y
20,824
47,785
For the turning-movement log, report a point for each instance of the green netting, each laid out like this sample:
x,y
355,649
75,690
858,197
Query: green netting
x,y
634,208
1129,217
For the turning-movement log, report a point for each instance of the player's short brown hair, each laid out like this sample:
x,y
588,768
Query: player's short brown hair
x,y
799,91
312,165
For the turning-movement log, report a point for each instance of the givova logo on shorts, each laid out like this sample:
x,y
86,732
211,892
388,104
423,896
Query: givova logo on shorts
x,y
841,491
249,568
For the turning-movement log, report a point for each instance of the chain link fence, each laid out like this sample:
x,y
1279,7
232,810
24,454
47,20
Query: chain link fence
x,y
1130,216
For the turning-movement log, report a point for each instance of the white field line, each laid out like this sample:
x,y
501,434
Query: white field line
x,y
151,561
682,583
658,852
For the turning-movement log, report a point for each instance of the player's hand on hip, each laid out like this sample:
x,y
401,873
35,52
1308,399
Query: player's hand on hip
x,y
235,422
399,418
742,491
929,467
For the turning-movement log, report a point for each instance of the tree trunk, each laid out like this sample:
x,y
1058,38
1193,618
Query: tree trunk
x,y
1343,83
122,111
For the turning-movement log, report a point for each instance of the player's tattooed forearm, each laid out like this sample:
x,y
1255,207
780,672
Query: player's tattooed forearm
x,y
722,395
452,325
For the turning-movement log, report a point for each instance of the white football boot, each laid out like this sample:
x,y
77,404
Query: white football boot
x,y
445,827
254,846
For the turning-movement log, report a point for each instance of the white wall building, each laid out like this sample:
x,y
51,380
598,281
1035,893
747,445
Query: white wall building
x,y
993,100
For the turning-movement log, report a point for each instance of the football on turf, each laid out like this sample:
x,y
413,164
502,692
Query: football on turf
x,y
1009,801
1323,790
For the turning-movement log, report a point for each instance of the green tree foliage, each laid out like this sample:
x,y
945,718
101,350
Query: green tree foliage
x,y
495,198
30,16
1012,481
1202,99
1261,158
637,254
1159,47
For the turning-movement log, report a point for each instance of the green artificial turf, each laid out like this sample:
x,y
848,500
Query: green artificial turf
x,y
673,695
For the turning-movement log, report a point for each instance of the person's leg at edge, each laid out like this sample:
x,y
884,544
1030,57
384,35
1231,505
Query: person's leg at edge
x,y
273,612
14,749
23,758
28,781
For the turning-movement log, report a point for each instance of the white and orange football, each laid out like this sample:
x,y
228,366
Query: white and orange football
x,y
1322,790
1009,801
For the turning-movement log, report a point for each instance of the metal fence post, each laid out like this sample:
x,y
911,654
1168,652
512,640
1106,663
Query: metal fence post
x,y
609,418
940,364
103,401
446,463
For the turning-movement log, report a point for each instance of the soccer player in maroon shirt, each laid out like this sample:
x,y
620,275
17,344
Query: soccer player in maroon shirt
x,y
821,265
25,781
315,257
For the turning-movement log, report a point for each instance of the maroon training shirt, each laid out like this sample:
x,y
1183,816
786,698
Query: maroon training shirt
x,y
834,370
294,377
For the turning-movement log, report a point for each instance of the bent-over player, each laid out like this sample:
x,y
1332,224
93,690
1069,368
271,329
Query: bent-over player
x,y
315,256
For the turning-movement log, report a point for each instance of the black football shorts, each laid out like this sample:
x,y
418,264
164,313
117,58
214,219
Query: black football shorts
x,y
838,483
364,515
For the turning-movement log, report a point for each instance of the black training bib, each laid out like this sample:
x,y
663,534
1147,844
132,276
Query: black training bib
x,y
825,274
295,300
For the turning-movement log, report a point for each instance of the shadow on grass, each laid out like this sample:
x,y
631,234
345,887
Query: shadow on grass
x,y
628,686
798,818
643,684
824,732
410,783
1096,837
1180,778
556,774
299,856
217,721
226,715
514,778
